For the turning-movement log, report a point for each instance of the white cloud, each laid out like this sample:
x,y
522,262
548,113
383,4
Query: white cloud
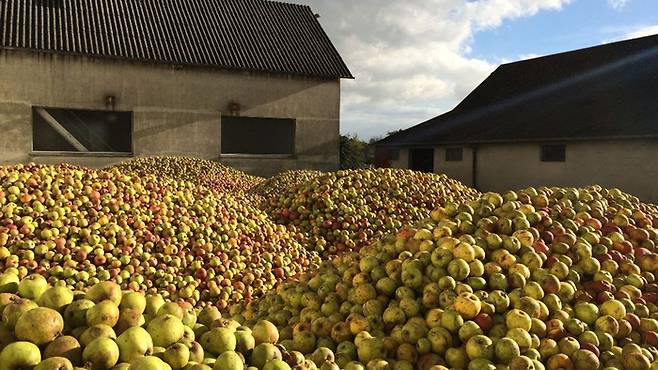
x,y
642,31
411,58
529,56
619,33
520,57
617,4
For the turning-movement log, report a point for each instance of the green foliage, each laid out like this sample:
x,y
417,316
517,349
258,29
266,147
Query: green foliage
x,y
355,153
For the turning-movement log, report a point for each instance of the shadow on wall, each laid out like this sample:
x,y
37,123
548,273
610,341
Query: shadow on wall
x,y
257,94
41,79
162,127
277,96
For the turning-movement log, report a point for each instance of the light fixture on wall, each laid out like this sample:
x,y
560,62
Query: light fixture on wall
x,y
110,102
234,108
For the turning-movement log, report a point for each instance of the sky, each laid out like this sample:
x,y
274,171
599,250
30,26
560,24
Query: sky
x,y
416,59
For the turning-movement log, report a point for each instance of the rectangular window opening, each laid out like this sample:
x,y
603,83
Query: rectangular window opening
x,y
256,135
553,153
81,131
454,154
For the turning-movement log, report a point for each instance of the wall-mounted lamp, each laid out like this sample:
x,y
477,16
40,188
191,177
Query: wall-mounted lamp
x,y
110,102
234,108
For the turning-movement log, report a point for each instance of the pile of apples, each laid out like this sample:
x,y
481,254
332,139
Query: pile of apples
x,y
549,278
78,227
53,328
348,209
166,263
278,185
211,174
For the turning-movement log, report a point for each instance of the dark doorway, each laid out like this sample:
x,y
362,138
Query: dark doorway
x,y
421,160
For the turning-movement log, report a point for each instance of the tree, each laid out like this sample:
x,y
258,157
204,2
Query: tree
x,y
354,153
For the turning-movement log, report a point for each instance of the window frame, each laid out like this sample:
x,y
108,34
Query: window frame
x,y
449,158
293,154
544,157
69,153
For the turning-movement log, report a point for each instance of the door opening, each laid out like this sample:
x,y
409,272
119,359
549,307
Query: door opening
x,y
421,160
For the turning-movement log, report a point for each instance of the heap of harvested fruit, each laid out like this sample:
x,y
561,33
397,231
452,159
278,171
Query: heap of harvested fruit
x,y
80,227
282,183
346,210
51,327
210,174
544,278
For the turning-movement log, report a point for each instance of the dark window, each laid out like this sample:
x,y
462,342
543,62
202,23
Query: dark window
x,y
421,160
454,154
73,130
251,135
553,153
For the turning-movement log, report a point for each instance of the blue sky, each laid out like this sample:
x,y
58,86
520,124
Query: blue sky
x,y
579,24
415,59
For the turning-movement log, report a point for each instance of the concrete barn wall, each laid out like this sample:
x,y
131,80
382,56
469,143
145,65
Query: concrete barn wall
x,y
402,161
175,111
631,165
458,170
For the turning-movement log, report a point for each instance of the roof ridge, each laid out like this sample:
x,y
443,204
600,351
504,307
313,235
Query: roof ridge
x,y
583,49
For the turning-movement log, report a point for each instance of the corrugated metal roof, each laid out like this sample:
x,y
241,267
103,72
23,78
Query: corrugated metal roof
x,y
254,35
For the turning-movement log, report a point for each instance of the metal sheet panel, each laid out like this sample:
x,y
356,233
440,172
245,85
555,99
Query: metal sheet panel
x,y
255,35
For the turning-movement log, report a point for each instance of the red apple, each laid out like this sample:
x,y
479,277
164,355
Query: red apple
x,y
650,338
590,347
484,321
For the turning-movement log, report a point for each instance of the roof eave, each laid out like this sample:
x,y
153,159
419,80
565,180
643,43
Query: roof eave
x,y
515,141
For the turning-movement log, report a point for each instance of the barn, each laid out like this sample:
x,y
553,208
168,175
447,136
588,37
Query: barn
x,y
251,83
577,118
